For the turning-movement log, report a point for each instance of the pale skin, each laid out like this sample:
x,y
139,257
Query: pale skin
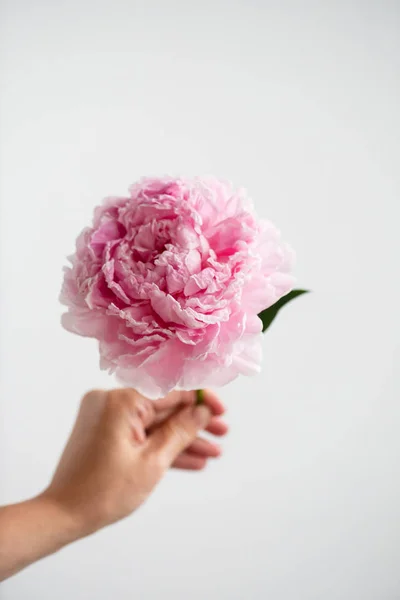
x,y
120,447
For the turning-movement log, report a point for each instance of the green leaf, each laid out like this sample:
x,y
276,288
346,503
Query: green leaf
x,y
269,314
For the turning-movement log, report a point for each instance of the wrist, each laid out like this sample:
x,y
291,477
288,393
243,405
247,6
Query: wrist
x,y
65,525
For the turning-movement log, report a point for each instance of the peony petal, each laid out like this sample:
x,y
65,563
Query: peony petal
x,y
249,356
171,311
175,280
193,261
159,373
109,231
88,323
201,281
108,270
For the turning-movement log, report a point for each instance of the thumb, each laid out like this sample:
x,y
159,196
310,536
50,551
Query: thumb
x,y
177,432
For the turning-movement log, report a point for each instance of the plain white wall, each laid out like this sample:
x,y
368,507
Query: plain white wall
x,y
299,102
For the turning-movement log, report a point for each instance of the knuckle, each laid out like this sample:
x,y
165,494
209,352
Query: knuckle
x,y
145,409
131,401
121,398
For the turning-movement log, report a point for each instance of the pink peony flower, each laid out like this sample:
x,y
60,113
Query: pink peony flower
x,y
170,280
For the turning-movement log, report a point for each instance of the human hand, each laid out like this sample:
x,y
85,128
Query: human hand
x,y
121,446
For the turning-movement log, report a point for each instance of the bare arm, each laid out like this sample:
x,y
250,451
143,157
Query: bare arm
x,y
31,530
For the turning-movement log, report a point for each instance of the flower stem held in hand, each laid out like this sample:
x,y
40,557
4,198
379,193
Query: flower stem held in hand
x,y
199,396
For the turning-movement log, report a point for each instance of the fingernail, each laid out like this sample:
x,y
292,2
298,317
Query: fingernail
x,y
201,414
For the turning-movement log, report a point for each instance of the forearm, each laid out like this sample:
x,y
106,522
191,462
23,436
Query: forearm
x,y
31,530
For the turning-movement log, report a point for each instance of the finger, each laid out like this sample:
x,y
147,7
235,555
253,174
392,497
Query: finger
x,y
126,406
172,400
213,402
165,407
217,426
202,447
177,433
189,462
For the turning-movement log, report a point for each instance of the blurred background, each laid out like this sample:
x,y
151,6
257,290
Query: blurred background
x,y
298,102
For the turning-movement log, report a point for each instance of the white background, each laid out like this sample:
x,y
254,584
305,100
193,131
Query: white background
x,y
299,102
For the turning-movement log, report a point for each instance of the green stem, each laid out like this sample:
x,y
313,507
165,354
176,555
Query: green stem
x,y
199,396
